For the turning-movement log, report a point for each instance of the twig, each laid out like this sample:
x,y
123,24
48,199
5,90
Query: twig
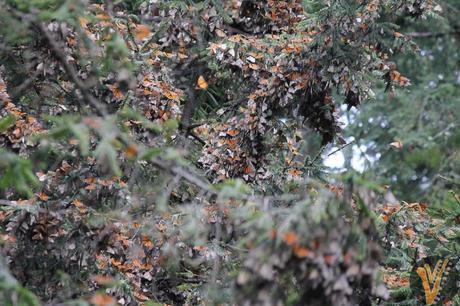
x,y
448,179
317,156
195,136
341,148
189,131
195,125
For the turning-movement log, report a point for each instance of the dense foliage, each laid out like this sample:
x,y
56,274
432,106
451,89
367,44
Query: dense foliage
x,y
171,151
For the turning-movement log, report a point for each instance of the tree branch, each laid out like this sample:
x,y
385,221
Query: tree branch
x,y
57,48
431,34
209,188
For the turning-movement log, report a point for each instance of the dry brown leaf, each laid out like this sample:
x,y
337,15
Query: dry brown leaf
x,y
131,151
202,82
141,31
220,33
395,281
248,170
410,232
273,233
232,132
43,196
290,238
91,187
397,144
117,94
83,22
103,279
102,300
89,180
140,296
80,206
254,66
147,242
295,172
200,248
171,95
115,262
301,252
161,227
